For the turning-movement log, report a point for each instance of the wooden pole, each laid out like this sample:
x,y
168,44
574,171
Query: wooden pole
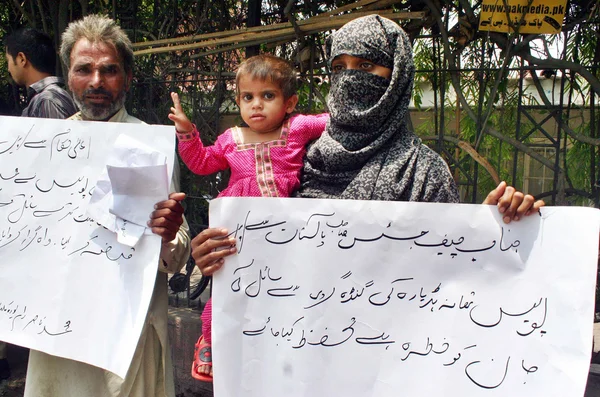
x,y
274,32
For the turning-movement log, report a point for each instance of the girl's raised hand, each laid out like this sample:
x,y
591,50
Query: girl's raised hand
x,y
182,123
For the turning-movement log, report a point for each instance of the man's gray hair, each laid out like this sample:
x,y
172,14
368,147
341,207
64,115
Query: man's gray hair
x,y
97,28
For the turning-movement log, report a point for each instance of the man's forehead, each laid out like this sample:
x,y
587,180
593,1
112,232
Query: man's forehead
x,y
91,61
85,52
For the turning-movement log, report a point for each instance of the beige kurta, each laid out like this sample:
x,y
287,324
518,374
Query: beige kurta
x,y
151,370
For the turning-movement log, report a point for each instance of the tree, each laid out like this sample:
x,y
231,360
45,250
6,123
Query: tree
x,y
484,120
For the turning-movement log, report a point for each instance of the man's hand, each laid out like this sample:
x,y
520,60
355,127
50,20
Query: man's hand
x,y
167,217
206,252
512,204
177,115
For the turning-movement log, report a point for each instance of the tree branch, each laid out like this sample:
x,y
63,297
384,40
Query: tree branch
x,y
22,11
470,151
568,130
456,84
553,63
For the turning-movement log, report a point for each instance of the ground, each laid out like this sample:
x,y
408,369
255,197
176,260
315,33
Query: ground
x,y
14,386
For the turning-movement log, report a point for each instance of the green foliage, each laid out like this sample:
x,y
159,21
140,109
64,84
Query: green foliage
x,y
308,101
484,61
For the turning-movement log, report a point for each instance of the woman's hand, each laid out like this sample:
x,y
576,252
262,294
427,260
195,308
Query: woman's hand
x,y
512,204
210,247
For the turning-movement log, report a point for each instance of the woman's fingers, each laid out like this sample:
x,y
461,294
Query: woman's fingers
x,y
210,247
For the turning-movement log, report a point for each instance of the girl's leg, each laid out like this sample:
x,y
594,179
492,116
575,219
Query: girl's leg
x,y
206,318
202,365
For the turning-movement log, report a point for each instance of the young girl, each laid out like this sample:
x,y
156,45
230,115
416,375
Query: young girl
x,y
265,157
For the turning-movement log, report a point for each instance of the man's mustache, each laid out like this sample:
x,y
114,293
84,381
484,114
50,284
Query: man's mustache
x,y
97,91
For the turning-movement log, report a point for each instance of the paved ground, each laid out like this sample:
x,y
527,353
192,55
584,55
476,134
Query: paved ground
x,y
183,327
593,384
13,387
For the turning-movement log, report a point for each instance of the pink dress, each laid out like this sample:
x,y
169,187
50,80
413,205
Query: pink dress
x,y
268,169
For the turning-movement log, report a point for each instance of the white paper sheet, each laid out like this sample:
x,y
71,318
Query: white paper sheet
x,y
134,179
67,287
136,190
350,298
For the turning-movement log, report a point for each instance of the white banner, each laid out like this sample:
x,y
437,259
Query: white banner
x,y
365,298
67,287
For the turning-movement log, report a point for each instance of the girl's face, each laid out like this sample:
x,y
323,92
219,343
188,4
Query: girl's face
x,y
262,104
349,62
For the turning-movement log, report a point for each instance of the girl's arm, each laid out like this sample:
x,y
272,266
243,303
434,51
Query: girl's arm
x,y
311,126
198,158
204,160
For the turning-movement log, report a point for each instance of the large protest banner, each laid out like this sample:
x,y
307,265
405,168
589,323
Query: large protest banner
x,y
365,298
67,287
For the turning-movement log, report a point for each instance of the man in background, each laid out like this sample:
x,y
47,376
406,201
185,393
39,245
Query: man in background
x,y
31,60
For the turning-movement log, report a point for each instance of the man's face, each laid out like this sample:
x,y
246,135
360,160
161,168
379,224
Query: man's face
x,y
97,79
15,69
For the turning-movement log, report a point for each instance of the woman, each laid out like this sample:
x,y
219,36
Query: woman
x,y
367,151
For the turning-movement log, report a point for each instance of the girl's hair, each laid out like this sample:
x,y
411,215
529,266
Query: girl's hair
x,y
266,67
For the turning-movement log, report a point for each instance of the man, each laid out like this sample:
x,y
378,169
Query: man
x,y
31,62
99,59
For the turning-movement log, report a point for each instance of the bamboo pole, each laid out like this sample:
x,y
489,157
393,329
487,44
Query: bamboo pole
x,y
183,39
269,34
348,7
241,45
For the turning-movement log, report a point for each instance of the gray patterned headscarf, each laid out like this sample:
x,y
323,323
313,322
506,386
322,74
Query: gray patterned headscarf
x,y
367,151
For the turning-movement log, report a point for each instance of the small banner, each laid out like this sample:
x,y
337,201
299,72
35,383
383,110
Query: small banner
x,y
524,16
68,287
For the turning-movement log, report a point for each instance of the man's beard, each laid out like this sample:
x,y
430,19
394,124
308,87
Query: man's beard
x,y
99,112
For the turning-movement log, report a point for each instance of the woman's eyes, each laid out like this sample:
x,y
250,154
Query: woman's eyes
x,y
366,66
337,68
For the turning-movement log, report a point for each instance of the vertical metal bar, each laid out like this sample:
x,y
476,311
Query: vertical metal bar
x,y
478,124
434,85
311,75
443,64
593,134
520,110
559,184
254,14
